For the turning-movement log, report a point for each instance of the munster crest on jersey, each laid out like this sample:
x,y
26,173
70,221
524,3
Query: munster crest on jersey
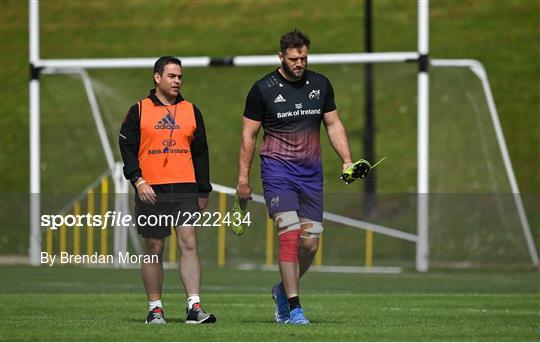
x,y
315,94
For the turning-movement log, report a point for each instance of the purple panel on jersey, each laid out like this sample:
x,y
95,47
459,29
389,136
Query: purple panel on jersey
x,y
292,153
271,167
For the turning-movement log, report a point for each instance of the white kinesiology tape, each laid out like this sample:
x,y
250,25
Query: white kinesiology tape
x,y
314,228
286,221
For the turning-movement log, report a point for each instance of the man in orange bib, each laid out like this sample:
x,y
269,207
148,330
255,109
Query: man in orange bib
x,y
163,145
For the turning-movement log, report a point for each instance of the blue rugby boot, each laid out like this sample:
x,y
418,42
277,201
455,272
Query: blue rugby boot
x,y
297,317
282,305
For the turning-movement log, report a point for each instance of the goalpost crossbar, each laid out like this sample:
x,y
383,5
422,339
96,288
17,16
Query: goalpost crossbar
x,y
238,61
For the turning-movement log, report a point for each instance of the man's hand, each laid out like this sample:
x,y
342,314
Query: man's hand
x,y
145,191
243,190
243,194
203,202
346,165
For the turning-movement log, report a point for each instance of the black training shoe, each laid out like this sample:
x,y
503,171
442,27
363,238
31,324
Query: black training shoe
x,y
156,316
198,316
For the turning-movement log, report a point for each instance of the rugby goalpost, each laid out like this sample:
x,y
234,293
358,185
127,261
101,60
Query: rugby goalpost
x,y
121,186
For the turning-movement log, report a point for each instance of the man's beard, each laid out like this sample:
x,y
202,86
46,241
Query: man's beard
x,y
291,73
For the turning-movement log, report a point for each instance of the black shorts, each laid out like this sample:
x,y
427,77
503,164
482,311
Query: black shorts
x,y
175,205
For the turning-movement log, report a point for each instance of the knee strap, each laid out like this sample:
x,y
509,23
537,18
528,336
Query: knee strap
x,y
311,229
286,221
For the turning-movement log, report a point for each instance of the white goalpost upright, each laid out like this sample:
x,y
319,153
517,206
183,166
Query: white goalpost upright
x,y
422,244
35,171
79,66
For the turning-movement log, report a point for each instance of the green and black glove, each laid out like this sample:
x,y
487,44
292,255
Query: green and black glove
x,y
240,206
358,170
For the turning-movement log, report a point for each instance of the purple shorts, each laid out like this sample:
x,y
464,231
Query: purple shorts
x,y
290,194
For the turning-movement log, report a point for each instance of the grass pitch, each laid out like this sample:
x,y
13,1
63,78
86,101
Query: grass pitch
x,y
248,317
83,304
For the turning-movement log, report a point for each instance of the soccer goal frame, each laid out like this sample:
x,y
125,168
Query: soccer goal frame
x,y
421,57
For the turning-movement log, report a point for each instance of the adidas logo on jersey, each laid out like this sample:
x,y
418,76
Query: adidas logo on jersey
x,y
279,98
166,123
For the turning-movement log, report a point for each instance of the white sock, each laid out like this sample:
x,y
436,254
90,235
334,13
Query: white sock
x,y
153,304
193,299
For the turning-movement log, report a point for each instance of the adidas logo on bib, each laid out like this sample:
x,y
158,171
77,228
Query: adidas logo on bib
x,y
279,98
166,123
